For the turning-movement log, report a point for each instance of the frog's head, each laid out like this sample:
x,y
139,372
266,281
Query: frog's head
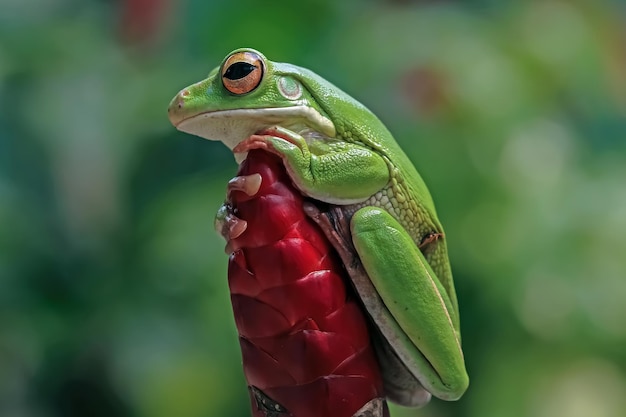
x,y
247,94
244,95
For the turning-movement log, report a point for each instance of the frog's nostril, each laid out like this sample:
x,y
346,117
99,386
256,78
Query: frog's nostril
x,y
176,108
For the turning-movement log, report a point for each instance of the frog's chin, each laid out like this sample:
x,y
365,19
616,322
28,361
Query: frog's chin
x,y
233,126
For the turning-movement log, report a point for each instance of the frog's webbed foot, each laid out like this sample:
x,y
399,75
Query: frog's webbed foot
x,y
278,140
374,408
337,230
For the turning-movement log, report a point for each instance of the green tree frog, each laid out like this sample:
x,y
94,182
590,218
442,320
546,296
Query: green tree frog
x,y
382,218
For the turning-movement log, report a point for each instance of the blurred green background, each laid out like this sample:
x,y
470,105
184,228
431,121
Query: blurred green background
x,y
113,291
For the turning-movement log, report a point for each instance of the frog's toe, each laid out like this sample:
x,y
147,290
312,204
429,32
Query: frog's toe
x,y
252,142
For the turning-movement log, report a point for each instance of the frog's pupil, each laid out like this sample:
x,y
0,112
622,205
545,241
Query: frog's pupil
x,y
239,70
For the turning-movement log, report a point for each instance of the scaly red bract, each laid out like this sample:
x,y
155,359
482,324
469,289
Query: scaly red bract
x,y
304,338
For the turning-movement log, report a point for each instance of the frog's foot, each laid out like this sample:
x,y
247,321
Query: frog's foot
x,y
337,230
278,140
374,408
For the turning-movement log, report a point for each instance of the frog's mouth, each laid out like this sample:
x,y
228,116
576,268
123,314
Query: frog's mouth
x,y
234,126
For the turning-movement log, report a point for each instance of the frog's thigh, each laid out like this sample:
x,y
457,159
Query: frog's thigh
x,y
413,295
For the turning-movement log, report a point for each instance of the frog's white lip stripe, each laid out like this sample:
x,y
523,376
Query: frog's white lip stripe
x,y
233,126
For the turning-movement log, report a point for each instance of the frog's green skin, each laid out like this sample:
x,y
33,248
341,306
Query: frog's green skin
x,y
335,150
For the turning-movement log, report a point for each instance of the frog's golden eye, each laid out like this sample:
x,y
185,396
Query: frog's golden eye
x,y
242,72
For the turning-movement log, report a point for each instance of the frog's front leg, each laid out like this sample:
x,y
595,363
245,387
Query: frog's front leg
x,y
416,300
326,169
